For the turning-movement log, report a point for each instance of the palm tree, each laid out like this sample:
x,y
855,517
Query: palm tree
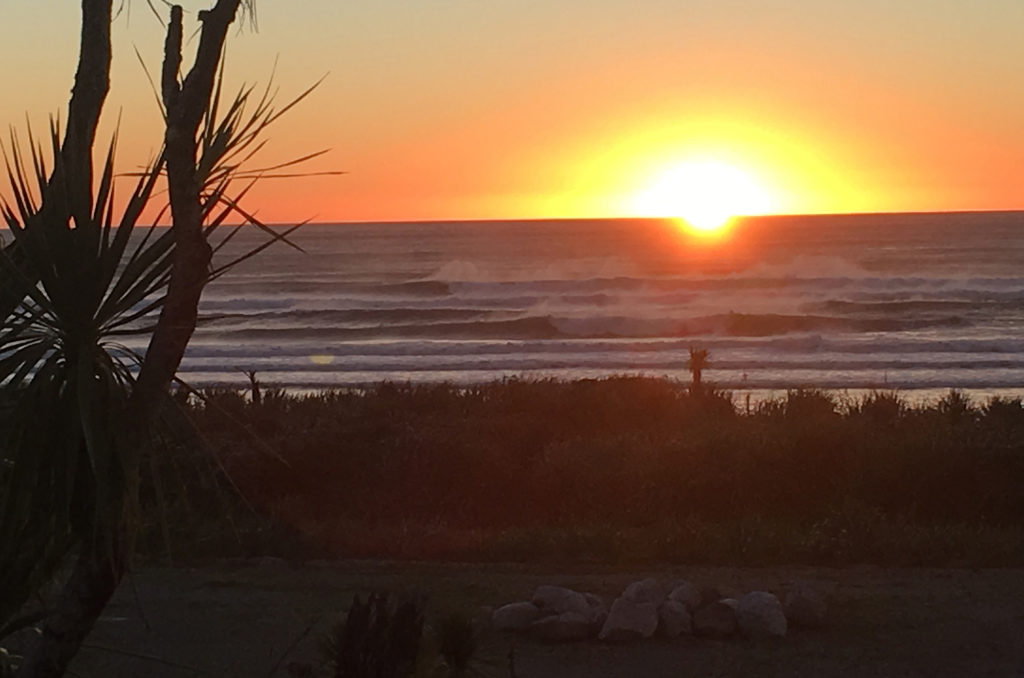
x,y
697,363
76,404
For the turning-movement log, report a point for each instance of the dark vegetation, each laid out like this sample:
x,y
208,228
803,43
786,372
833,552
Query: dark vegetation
x,y
77,408
617,470
377,639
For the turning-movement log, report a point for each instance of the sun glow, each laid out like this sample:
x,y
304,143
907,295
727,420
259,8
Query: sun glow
x,y
705,194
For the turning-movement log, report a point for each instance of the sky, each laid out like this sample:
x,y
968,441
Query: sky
x,y
465,109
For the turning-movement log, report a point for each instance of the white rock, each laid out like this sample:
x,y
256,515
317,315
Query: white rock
x,y
559,600
515,616
563,628
674,619
759,614
685,593
645,591
717,620
629,620
805,606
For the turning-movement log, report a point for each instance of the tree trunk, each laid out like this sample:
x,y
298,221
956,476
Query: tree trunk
x,y
185,104
96,575
92,83
70,195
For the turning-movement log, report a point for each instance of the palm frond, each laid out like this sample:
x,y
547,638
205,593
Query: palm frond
x,y
59,438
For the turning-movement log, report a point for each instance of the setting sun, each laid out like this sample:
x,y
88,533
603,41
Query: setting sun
x,y
705,194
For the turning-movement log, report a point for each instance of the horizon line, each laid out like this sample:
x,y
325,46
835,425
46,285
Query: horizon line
x,y
739,217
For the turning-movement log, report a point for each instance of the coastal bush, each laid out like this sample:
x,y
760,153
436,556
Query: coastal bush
x,y
880,408
627,468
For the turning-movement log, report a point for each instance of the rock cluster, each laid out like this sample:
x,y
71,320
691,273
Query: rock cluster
x,y
668,609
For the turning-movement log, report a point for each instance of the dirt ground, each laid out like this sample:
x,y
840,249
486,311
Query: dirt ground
x,y
252,619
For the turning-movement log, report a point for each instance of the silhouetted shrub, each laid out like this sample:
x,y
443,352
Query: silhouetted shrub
x,y
456,643
378,639
880,408
956,407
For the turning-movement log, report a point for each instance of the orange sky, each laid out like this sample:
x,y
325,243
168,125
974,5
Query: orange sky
x,y
565,108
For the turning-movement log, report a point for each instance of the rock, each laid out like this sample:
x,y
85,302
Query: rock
x,y
645,591
710,594
563,628
715,620
674,619
515,617
559,600
804,606
685,593
759,614
629,620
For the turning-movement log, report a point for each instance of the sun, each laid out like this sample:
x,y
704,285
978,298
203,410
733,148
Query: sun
x,y
705,194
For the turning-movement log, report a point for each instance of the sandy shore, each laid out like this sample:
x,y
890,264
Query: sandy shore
x,y
245,619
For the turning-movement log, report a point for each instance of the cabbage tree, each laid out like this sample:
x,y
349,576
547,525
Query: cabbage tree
x,y
78,276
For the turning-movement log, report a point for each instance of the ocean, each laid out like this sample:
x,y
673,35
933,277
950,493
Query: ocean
x,y
916,302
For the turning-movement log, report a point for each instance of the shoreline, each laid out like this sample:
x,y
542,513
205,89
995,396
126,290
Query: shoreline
x,y
915,396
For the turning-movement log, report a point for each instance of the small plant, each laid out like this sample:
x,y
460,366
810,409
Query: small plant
x,y
456,643
884,408
698,362
254,388
377,639
956,406
8,663
808,404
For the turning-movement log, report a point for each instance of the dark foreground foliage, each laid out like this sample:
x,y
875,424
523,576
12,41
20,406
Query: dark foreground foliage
x,y
378,639
624,470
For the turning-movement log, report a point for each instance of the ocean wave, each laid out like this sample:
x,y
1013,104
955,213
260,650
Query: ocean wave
x,y
1009,298
456,324
537,327
372,317
611,361
755,325
227,290
985,305
645,296
568,270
